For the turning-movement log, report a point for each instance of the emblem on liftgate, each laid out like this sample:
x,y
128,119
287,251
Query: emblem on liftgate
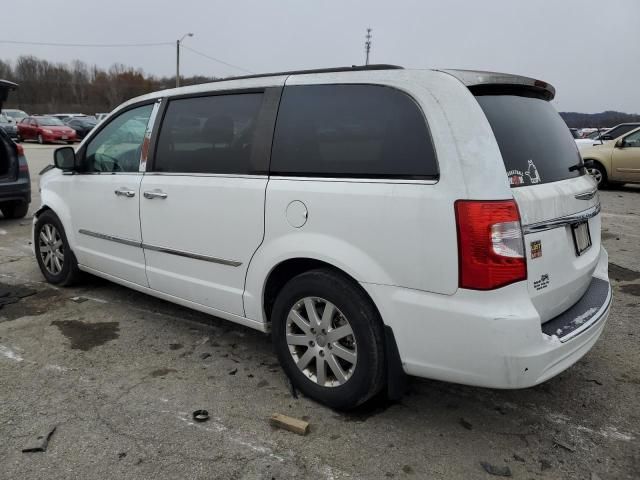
x,y
536,249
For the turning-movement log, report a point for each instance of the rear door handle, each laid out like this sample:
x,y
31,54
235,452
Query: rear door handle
x,y
123,192
151,194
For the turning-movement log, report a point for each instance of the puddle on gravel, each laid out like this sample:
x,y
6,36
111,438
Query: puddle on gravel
x,y
21,301
631,289
619,273
85,336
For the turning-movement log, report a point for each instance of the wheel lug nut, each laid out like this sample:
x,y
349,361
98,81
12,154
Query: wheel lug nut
x,y
329,346
312,343
323,332
321,353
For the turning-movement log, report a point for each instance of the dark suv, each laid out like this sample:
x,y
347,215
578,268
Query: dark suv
x,y
15,183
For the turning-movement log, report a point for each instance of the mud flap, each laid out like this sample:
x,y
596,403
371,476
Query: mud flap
x,y
396,378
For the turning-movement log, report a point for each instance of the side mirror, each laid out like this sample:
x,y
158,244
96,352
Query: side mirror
x,y
620,143
64,158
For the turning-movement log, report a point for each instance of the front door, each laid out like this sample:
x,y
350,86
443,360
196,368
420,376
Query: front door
x,y
105,201
625,159
202,200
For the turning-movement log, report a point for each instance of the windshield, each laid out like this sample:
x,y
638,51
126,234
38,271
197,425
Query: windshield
x,y
536,145
14,113
4,119
49,121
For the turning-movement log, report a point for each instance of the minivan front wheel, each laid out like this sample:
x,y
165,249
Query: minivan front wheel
x,y
57,262
329,338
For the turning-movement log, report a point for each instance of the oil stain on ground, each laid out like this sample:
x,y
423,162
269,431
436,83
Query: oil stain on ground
x,y
631,289
622,274
85,336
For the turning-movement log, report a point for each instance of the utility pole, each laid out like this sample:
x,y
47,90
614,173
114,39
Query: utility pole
x,y
367,45
178,57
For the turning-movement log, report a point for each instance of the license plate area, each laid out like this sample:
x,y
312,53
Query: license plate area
x,y
581,237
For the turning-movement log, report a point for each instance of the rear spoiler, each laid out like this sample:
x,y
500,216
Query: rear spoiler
x,y
483,83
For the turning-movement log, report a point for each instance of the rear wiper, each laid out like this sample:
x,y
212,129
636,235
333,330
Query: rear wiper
x,y
577,166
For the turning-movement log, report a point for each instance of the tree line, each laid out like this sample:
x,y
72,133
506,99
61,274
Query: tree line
x,y
46,87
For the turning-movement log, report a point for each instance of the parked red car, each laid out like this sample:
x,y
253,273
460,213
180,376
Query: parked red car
x,y
44,130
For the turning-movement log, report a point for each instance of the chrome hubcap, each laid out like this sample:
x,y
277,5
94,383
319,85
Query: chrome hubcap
x,y
595,173
321,342
51,249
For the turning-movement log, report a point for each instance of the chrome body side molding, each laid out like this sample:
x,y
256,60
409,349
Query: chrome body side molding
x,y
156,248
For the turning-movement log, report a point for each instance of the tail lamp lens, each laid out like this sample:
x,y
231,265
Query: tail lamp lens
x,y
490,244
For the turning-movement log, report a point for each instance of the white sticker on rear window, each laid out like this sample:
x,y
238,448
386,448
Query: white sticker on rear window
x,y
532,173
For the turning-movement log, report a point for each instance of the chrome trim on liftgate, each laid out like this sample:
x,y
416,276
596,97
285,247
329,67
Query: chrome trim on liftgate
x,y
155,248
562,221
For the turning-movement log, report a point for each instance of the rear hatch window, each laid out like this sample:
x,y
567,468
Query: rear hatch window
x,y
536,145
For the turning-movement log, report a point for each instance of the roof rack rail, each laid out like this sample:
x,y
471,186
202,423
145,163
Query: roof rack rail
x,y
353,68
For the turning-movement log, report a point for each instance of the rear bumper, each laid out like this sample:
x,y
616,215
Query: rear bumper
x,y
489,339
19,190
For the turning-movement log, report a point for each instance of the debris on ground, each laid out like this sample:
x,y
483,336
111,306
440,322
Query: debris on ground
x,y
40,443
465,424
233,372
200,415
504,471
205,355
79,299
294,425
560,444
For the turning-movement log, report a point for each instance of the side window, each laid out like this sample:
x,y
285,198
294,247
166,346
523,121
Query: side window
x,y
632,140
362,131
117,147
212,134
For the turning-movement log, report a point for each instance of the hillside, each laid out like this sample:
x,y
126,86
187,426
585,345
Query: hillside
x,y
598,120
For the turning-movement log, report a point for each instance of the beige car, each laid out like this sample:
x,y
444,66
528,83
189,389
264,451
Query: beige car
x,y
617,161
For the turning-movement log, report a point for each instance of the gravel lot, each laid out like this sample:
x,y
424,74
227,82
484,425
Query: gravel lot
x,y
120,372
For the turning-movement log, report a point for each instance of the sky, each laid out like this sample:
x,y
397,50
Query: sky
x,y
587,49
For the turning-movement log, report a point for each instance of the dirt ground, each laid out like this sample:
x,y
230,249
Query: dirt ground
x,y
119,374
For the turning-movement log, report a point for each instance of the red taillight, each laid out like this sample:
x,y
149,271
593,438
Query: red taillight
x,y
20,149
490,244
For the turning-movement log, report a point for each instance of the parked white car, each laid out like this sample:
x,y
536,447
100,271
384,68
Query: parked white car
x,y
377,221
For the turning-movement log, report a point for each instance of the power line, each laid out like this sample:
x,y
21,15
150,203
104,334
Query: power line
x,y
92,45
216,59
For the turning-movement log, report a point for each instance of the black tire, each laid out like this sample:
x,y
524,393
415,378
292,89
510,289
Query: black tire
x,y
368,374
15,209
70,273
599,173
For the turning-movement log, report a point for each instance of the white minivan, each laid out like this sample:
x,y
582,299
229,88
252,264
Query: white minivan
x,y
377,221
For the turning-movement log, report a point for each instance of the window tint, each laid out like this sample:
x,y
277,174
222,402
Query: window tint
x,y
208,134
117,147
535,143
351,131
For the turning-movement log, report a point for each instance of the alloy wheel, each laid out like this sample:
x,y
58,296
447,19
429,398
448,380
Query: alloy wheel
x,y
596,174
321,342
51,249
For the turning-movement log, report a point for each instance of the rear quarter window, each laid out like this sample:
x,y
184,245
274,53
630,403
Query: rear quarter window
x,y
535,143
360,131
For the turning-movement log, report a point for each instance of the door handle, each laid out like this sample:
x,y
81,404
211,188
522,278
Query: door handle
x,y
123,192
155,194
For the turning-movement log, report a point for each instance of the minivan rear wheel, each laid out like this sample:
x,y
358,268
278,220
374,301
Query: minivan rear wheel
x,y
329,338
